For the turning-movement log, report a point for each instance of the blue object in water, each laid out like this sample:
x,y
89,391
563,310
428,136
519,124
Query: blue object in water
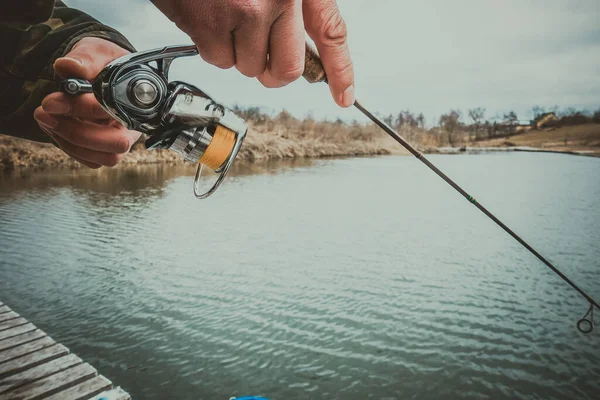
x,y
248,398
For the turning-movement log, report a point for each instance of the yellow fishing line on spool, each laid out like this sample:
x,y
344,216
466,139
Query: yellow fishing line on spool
x,y
219,148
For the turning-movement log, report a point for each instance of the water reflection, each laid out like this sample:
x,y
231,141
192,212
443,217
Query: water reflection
x,y
132,180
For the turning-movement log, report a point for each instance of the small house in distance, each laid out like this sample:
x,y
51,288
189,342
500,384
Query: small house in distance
x,y
545,120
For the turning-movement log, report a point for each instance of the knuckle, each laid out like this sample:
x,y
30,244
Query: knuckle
x,y
252,72
218,62
334,30
345,70
213,25
290,73
252,10
221,64
272,84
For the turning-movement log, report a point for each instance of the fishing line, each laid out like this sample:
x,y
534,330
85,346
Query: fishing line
x,y
585,324
219,148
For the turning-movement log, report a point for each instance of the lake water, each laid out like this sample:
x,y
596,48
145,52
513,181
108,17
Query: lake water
x,y
364,278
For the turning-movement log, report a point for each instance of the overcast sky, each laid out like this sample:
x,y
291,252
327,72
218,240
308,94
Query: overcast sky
x,y
428,56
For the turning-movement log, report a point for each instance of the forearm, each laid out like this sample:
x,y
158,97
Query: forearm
x,y
26,61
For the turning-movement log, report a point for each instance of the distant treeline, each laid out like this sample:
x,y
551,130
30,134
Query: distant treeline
x,y
451,129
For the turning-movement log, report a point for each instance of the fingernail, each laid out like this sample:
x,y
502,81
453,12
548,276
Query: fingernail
x,y
46,119
348,96
55,106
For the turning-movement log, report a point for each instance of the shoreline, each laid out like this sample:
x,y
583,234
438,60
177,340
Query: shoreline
x,y
18,154
34,156
521,149
286,141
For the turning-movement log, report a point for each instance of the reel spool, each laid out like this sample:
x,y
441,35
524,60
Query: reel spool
x,y
214,147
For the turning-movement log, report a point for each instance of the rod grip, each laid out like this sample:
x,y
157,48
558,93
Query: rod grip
x,y
313,67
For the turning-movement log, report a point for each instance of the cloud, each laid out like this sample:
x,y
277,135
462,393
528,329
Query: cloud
x,y
426,56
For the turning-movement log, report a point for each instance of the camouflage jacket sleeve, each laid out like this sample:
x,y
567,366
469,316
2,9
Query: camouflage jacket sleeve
x,y
34,33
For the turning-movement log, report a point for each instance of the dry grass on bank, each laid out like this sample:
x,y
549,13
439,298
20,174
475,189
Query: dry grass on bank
x,y
282,137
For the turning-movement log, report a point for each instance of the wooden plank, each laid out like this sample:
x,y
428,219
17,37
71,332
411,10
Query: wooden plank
x,y
4,309
115,394
8,316
11,323
24,349
16,330
52,384
84,390
21,339
29,361
38,372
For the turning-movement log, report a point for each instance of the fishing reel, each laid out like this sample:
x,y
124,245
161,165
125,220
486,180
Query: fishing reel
x,y
135,91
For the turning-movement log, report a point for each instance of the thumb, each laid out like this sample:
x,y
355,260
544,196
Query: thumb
x,y
325,25
87,58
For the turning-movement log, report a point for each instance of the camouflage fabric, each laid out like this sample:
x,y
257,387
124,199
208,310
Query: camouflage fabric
x,y
34,33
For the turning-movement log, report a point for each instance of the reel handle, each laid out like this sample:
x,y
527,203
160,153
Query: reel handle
x,y
313,67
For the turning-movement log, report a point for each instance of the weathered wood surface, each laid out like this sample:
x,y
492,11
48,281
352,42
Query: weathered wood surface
x,y
11,323
85,390
25,349
51,384
17,328
8,316
33,366
21,339
39,372
31,360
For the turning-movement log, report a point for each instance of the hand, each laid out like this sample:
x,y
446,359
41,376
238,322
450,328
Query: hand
x,y
265,38
78,124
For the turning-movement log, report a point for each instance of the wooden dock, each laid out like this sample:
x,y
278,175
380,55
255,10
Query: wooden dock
x,y
33,366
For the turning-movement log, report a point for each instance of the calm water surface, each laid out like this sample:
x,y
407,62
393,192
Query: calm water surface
x,y
338,279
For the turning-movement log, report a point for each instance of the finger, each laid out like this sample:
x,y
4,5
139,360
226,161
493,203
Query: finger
x,y
326,27
56,140
84,106
87,58
216,48
90,158
251,44
286,49
104,138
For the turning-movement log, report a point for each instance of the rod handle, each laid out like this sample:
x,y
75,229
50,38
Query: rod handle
x,y
313,67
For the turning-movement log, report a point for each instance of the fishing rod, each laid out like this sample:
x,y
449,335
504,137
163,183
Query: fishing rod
x,y
314,72
136,91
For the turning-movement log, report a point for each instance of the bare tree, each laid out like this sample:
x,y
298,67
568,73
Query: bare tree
x,y
477,115
511,118
389,120
450,124
406,117
421,121
569,112
538,111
